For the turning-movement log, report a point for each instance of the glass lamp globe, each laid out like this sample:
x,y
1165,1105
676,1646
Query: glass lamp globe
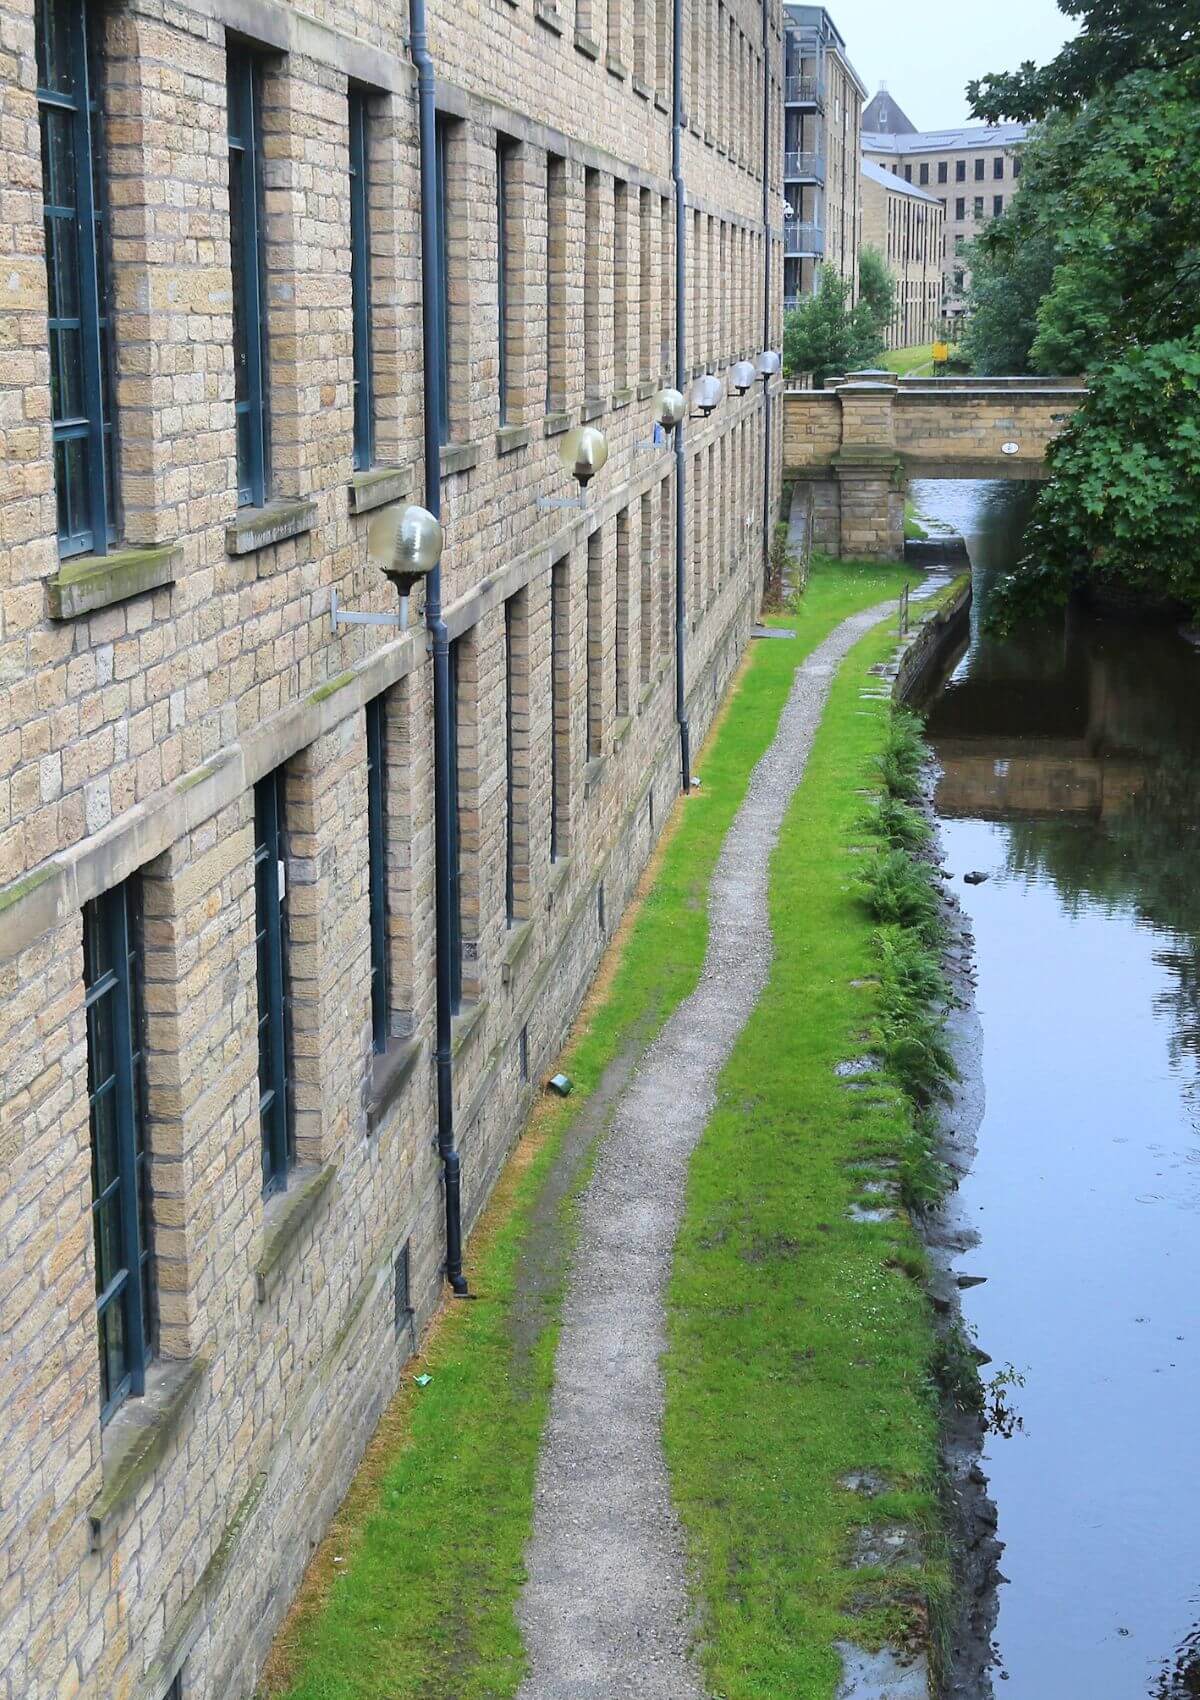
x,y
669,408
706,393
767,363
405,542
742,376
583,452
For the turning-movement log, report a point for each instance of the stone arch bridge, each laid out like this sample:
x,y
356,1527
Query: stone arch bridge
x,y
851,448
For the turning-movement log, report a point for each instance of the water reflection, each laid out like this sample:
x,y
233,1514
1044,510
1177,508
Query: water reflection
x,y
1071,776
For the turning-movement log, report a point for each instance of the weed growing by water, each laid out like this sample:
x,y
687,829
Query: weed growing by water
x,y
903,892
903,756
899,824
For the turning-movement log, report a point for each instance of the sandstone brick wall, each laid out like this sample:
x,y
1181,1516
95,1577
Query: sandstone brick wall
x,y
908,231
133,730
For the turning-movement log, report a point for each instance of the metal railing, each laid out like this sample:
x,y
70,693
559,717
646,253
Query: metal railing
x,y
804,167
803,240
804,91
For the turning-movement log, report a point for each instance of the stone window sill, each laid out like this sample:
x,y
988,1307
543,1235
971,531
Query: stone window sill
x,y
88,582
592,409
136,1440
466,1024
646,388
593,774
639,87
511,437
556,423
660,100
390,1070
286,1215
377,485
587,44
459,457
556,879
258,528
621,399
547,14
621,731
519,938
614,67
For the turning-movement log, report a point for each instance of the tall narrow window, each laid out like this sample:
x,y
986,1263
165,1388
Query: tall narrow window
x,y
456,953
559,713
621,652
510,833
245,208
504,161
442,227
591,283
360,281
646,611
80,388
594,703
377,869
119,1227
556,284
620,285
270,886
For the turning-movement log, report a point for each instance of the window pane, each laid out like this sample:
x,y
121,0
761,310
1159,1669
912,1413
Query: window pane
x,y
55,70
112,1351
106,1160
58,157
107,1220
236,214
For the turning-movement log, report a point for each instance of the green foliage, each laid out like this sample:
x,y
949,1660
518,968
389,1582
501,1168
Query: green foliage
x,y
1110,208
876,289
824,335
1116,37
1123,504
902,826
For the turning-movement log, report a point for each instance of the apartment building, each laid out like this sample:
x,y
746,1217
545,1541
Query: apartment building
x,y
823,100
974,172
906,225
302,882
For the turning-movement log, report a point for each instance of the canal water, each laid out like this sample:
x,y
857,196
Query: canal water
x,y
1070,777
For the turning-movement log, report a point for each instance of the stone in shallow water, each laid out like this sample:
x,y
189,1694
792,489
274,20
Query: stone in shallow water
x,y
880,1676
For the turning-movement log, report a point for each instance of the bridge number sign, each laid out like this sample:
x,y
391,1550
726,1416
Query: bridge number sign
x,y
1010,448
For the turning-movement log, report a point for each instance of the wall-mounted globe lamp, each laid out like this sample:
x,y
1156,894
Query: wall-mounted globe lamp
x,y
767,364
583,452
669,409
406,544
741,376
706,393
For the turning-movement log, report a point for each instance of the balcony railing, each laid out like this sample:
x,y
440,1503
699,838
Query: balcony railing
x,y
804,167
804,91
802,240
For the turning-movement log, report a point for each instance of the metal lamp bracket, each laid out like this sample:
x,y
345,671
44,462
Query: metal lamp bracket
x,y
343,617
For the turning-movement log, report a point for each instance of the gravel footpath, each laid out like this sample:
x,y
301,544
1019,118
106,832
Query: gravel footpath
x,y
604,1611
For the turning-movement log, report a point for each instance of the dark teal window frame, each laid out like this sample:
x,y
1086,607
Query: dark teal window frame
x,y
72,209
360,278
441,222
377,869
243,79
558,633
274,1094
120,1228
455,940
510,836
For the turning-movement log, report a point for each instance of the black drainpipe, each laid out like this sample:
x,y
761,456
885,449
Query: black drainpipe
x,y
685,756
767,290
443,754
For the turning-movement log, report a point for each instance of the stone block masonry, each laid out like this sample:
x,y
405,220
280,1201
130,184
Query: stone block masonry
x,y
216,813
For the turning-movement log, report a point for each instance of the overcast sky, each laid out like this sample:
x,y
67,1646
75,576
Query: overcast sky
x,y
926,56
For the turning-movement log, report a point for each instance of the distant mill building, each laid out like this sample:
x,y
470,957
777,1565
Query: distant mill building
x,y
822,104
972,172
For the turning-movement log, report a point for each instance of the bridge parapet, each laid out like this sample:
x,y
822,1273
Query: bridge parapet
x,y
859,441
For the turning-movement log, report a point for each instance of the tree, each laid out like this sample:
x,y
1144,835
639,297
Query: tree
x,y
825,336
877,290
1117,38
1110,204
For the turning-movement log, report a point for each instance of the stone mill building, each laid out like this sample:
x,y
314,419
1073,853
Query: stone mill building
x,y
295,906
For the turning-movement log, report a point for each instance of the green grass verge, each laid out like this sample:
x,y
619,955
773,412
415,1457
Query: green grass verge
x,y
432,1536
912,522
909,362
801,1345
